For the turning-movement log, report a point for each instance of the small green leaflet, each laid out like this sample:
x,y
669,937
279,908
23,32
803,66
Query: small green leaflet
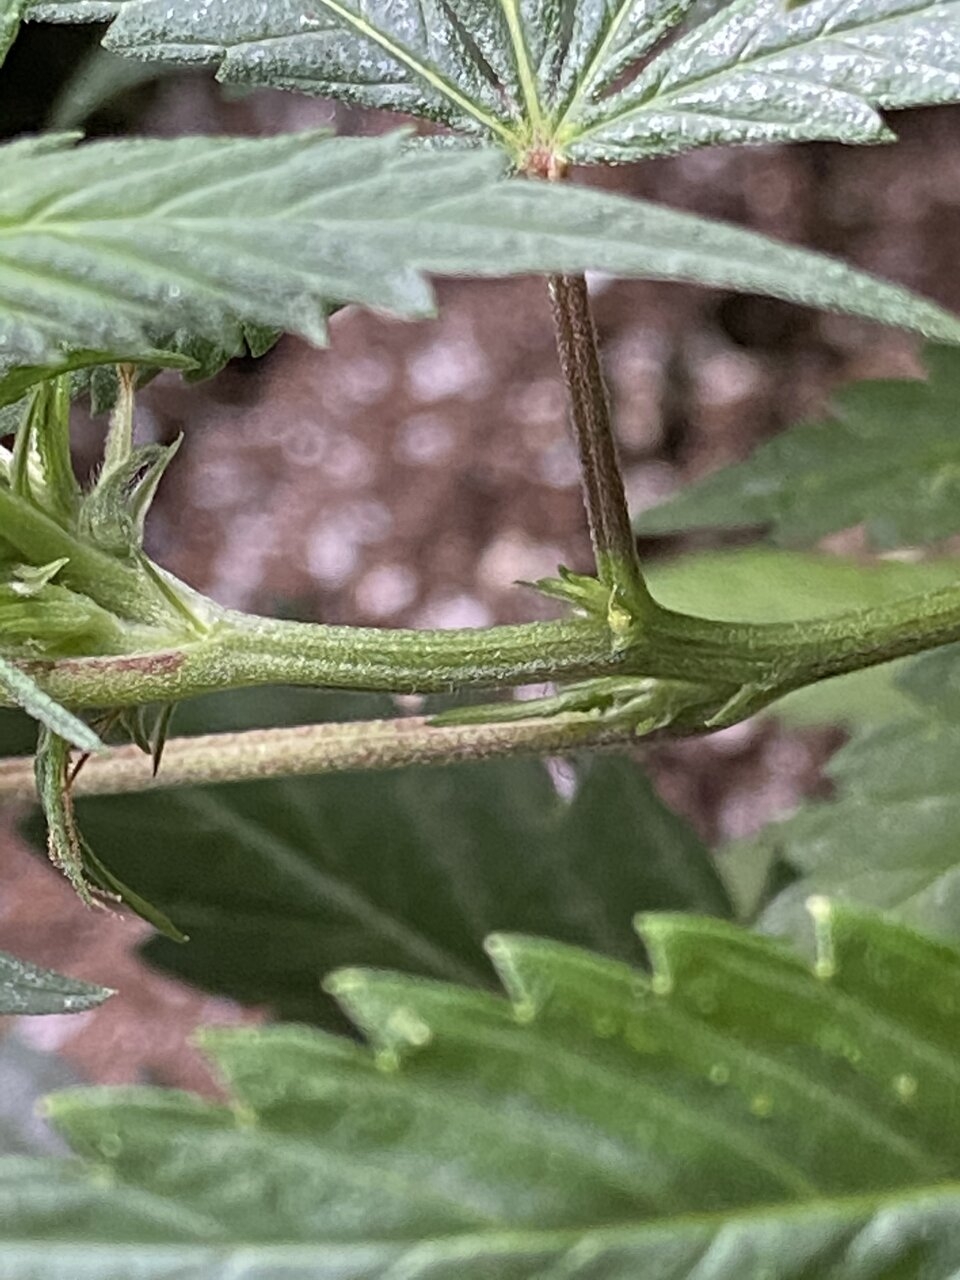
x,y
16,382
27,989
26,693
888,837
278,881
218,234
11,13
887,457
67,848
533,75
733,1115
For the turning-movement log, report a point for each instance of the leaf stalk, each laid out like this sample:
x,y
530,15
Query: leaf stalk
x,y
614,545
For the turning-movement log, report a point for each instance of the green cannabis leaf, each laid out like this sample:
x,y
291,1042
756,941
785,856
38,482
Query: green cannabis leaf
x,y
277,881
887,837
886,457
27,989
546,79
763,71
69,850
734,1113
11,15
222,233
18,381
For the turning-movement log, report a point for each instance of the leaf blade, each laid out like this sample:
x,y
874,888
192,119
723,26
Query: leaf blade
x,y
24,691
538,73
218,234
885,457
762,72
889,779
479,1142
26,989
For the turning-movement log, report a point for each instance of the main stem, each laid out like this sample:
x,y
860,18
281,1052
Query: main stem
x,y
767,660
614,546
240,651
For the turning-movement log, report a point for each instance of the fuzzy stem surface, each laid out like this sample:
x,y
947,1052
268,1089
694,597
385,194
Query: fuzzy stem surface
x,y
314,749
241,651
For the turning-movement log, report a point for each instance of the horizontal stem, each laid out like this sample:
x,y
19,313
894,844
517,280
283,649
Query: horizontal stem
x,y
241,651
768,659
315,749
788,655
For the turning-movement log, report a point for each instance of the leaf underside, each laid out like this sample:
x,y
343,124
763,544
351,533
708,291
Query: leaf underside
x,y
219,234
734,1115
551,75
887,457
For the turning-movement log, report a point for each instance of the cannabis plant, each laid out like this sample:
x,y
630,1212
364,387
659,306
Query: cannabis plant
x,y
738,1110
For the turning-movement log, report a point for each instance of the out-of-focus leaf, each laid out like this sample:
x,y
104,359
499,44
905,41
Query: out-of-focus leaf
x,y
11,14
24,988
762,585
732,1116
99,79
101,244
888,836
18,733
888,457
277,881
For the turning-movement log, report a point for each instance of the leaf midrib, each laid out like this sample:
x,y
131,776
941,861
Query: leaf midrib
x,y
432,77
594,65
507,1241
329,888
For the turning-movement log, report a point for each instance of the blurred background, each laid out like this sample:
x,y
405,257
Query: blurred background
x,y
410,474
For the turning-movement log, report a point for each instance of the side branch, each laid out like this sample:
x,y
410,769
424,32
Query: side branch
x,y
316,749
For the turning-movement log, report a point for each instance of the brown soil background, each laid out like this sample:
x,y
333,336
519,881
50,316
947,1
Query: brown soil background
x,y
412,472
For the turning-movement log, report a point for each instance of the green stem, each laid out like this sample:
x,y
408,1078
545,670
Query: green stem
x,y
614,546
242,651
788,655
314,749
769,659
123,588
